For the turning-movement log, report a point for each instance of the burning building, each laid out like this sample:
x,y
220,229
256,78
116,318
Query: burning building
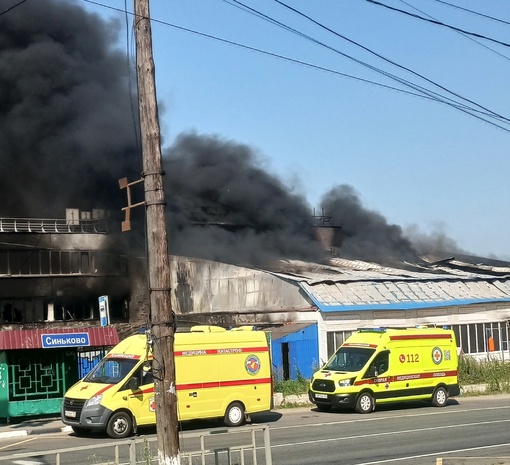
x,y
244,246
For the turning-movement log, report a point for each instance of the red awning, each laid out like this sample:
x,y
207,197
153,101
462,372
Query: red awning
x,y
33,338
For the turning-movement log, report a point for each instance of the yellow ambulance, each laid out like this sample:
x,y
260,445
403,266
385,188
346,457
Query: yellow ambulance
x,y
380,365
219,374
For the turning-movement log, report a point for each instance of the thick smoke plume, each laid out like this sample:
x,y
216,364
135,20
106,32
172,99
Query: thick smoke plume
x,y
66,125
365,234
225,207
68,133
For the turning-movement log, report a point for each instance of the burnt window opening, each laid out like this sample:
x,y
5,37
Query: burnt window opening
x,y
40,309
61,262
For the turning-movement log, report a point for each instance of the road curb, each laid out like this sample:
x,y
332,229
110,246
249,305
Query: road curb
x,y
35,431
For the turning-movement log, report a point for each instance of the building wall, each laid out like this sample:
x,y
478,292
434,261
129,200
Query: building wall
x,y
207,287
303,354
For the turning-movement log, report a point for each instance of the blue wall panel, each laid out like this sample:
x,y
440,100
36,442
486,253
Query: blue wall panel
x,y
303,353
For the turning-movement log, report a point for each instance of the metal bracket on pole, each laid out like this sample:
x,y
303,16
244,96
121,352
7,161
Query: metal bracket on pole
x,y
124,184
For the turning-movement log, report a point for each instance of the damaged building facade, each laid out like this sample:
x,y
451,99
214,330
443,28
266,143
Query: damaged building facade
x,y
311,308
52,274
55,272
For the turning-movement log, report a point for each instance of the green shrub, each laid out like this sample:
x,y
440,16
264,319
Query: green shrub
x,y
493,372
291,387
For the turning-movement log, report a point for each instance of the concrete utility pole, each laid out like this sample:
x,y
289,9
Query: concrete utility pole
x,y
162,317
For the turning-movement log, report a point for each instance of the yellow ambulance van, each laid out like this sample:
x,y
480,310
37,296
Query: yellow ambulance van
x,y
380,365
219,374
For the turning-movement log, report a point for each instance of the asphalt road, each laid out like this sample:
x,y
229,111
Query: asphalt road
x,y
414,433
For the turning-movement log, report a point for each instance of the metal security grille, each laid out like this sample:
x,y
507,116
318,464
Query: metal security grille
x,y
35,375
88,359
473,338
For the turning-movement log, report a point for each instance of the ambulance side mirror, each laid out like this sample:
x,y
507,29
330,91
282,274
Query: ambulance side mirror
x,y
133,383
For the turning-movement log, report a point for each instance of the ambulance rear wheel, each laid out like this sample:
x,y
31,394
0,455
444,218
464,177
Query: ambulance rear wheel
x,y
120,425
440,397
235,415
365,403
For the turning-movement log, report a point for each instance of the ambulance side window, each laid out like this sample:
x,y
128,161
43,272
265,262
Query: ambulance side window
x,y
147,376
383,363
143,376
379,365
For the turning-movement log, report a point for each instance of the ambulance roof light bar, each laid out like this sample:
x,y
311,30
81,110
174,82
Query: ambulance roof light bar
x,y
373,330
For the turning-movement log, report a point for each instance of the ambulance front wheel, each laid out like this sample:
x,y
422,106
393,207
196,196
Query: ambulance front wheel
x,y
440,397
235,414
365,403
120,425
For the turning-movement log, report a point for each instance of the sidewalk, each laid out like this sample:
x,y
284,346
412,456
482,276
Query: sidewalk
x,y
19,427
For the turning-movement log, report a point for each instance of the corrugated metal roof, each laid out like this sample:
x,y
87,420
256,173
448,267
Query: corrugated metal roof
x,y
345,285
32,338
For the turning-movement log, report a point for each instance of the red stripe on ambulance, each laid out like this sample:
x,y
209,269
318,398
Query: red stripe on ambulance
x,y
223,351
407,377
218,384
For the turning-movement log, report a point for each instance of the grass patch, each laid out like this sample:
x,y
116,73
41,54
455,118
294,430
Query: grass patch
x,y
494,373
292,387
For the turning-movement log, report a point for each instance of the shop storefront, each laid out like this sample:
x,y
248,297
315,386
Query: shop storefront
x,y
38,366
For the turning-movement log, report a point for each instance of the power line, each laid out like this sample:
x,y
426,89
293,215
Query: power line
x,y
420,91
461,33
473,12
12,7
423,92
265,52
390,61
439,23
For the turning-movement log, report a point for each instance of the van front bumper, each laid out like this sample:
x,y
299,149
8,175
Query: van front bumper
x,y
332,400
91,417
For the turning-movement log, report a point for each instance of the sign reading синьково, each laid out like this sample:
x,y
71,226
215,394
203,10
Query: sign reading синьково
x,y
65,340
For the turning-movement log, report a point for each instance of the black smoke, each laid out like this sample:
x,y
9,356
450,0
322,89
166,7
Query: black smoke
x,y
365,234
68,132
225,207
66,125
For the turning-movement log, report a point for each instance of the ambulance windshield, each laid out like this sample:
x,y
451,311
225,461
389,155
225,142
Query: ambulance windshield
x,y
111,370
349,359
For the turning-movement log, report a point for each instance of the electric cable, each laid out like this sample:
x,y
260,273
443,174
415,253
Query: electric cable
x,y
265,52
136,129
12,7
388,60
439,23
461,33
424,92
472,11
455,105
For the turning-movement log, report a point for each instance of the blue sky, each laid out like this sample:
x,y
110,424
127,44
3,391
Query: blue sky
x,y
419,163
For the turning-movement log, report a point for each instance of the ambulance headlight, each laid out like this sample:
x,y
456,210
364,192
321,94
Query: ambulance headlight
x,y
346,382
94,400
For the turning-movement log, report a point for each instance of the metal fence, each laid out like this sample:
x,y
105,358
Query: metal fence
x,y
54,226
232,446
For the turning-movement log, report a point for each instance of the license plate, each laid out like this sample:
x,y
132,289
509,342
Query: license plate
x,y
321,396
70,414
